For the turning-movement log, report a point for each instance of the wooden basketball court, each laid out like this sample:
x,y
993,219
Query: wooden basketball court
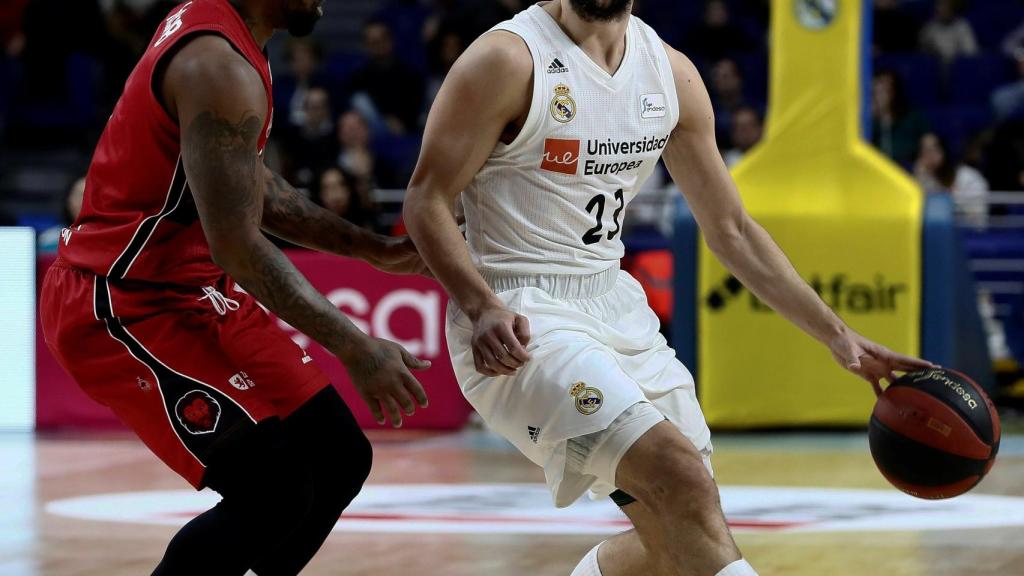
x,y
484,513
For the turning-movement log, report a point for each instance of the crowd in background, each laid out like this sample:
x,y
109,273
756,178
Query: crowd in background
x,y
947,96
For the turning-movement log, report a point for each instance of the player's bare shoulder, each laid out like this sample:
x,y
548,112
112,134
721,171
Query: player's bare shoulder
x,y
499,53
695,111
494,75
208,65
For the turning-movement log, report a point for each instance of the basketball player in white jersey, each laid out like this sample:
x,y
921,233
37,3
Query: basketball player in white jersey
x,y
548,125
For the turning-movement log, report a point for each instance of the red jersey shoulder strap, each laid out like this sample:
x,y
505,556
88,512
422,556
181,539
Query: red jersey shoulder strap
x,y
217,17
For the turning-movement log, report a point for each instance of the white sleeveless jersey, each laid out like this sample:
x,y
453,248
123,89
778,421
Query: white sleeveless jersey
x,y
553,201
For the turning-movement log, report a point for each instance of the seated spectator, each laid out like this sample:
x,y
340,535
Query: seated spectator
x,y
896,128
1014,41
1004,166
938,173
54,46
948,35
12,40
311,147
895,30
386,91
747,130
50,238
469,18
717,36
406,19
355,157
727,96
1008,100
303,74
444,51
335,193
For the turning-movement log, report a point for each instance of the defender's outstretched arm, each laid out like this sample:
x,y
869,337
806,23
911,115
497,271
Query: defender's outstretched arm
x,y
289,215
220,102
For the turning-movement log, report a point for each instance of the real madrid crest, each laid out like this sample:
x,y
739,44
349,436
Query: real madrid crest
x,y
588,399
816,14
563,107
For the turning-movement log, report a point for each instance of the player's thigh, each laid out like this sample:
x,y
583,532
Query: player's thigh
x,y
192,403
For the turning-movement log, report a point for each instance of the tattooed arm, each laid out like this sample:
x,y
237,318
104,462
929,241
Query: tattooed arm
x,y
289,215
219,101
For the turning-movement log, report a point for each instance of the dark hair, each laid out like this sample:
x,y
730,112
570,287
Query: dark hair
x,y
356,213
946,172
900,103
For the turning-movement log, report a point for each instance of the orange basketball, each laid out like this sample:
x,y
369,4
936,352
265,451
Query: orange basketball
x,y
934,434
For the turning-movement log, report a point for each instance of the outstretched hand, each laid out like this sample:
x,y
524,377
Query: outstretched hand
x,y
871,361
380,372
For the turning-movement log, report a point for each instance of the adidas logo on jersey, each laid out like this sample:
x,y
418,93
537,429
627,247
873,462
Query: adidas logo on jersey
x,y
557,67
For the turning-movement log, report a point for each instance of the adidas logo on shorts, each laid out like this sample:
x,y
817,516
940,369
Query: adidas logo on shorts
x,y
557,67
534,433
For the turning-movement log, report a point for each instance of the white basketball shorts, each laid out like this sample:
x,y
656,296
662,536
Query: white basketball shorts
x,y
596,351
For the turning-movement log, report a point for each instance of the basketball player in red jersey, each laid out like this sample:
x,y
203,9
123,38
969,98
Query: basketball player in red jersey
x,y
145,305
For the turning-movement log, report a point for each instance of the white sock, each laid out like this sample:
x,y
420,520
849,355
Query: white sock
x,y
588,566
738,568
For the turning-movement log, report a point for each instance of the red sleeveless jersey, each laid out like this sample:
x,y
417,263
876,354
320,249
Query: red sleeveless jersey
x,y
138,218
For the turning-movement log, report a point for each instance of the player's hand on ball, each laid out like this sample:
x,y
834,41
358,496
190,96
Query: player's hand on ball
x,y
381,374
871,361
500,337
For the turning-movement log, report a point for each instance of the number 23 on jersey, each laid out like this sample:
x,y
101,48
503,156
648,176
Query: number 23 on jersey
x,y
597,203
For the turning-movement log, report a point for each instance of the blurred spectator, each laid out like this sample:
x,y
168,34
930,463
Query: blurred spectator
x,y
717,35
72,206
939,173
290,88
727,95
443,53
311,147
895,30
948,35
747,130
336,194
407,19
12,40
1005,165
355,157
50,43
1013,44
672,22
896,128
469,18
385,90
1008,100
75,60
